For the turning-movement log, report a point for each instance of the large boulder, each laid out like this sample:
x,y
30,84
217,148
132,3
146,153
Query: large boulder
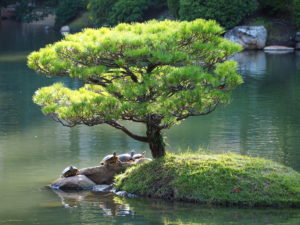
x,y
79,182
250,37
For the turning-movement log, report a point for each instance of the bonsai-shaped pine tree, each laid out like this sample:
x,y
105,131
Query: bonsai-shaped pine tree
x,y
153,73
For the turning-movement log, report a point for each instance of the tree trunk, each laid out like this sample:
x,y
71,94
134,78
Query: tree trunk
x,y
156,142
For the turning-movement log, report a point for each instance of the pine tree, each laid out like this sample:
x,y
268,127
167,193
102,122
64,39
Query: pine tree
x,y
153,73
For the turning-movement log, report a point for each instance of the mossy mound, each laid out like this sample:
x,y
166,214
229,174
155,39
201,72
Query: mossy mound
x,y
227,179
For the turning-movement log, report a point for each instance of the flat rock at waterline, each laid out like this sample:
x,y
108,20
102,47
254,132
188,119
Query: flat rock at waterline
x,y
103,174
277,49
79,182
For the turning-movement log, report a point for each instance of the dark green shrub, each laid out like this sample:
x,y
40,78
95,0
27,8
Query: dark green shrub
x,y
128,11
100,10
227,12
68,10
134,11
156,4
32,10
275,6
296,13
111,12
173,6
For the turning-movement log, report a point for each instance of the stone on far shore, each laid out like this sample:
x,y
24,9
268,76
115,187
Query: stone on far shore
x,y
277,49
250,37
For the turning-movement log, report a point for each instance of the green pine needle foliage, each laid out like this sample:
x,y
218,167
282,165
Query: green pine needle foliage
x,y
169,69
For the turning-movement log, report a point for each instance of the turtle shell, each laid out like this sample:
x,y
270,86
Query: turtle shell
x,y
139,156
110,159
126,157
70,171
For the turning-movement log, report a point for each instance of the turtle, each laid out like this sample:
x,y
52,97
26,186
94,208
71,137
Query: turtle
x,y
127,157
70,171
110,159
139,155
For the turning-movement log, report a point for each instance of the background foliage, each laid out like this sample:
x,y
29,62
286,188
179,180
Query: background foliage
x,y
174,6
275,6
227,12
67,10
100,10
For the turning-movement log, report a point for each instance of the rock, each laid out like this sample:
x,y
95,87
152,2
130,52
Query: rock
x,y
65,30
47,28
79,182
9,12
297,38
103,188
126,194
276,49
104,174
142,160
250,37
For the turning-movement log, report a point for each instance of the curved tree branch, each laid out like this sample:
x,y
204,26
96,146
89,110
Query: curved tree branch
x,y
211,109
126,131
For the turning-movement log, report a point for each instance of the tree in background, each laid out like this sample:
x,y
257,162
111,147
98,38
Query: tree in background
x,y
112,12
100,10
228,13
155,73
67,10
33,10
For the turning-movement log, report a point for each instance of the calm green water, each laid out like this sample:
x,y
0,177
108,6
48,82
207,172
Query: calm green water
x,y
263,120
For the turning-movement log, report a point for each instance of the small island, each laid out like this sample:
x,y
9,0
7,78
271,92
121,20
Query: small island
x,y
158,74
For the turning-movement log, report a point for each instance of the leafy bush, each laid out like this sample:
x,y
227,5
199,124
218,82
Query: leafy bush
x,y
112,12
156,4
275,6
100,10
128,11
227,12
173,6
68,10
296,13
32,10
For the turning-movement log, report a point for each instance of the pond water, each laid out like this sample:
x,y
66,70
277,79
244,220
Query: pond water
x,y
262,120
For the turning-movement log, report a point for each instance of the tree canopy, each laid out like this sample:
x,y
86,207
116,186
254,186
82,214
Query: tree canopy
x,y
154,73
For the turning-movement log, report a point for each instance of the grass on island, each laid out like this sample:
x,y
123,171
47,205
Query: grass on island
x,y
225,179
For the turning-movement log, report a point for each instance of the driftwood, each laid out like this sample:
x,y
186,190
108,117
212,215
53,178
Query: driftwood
x,y
104,174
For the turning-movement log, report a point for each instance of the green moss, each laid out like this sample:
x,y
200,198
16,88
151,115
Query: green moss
x,y
227,179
